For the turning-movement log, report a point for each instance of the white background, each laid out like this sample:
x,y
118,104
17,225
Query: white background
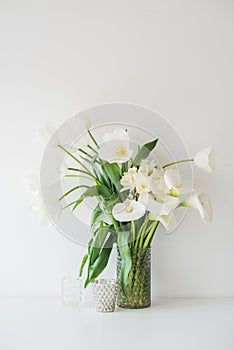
x,y
58,57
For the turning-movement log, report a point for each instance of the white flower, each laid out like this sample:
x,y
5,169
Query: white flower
x,y
158,185
118,134
128,179
84,120
172,178
173,182
147,167
206,159
168,221
128,211
116,151
202,204
158,208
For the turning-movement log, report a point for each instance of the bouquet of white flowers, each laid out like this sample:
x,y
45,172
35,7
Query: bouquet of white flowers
x,y
135,195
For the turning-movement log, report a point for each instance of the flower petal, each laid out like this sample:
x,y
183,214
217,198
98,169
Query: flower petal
x,y
118,134
116,151
202,204
172,178
128,211
168,221
206,159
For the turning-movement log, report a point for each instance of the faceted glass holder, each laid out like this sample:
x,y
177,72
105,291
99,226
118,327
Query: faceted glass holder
x,y
72,290
105,292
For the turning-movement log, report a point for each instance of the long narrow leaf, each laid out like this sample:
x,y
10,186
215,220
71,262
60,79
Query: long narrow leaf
x,y
125,253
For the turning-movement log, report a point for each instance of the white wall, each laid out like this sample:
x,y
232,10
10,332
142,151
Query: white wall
x,y
58,57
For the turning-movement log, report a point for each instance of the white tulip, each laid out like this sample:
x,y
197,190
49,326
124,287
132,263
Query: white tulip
x,y
202,204
128,211
117,134
116,151
206,159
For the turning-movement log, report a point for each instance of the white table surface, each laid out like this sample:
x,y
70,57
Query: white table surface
x,y
171,324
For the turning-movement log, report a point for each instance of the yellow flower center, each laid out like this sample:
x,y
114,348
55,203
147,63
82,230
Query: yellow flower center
x,y
143,186
121,151
129,209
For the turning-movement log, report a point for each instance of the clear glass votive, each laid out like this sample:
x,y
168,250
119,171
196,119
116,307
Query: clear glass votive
x,y
72,290
105,292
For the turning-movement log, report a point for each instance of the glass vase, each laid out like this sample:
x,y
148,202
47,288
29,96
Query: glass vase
x,y
138,290
105,294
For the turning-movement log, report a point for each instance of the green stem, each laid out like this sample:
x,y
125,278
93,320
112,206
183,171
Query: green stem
x,y
86,153
178,161
80,177
143,227
93,139
92,149
133,229
73,189
84,172
72,156
151,234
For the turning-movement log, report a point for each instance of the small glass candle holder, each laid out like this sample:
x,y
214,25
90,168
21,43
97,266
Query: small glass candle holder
x,y
105,292
72,290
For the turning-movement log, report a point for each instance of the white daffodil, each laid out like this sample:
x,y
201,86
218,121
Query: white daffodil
x,y
116,151
142,187
128,179
147,167
202,204
158,185
128,211
206,159
117,134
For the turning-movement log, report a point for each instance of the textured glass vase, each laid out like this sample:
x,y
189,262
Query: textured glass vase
x,y
138,291
105,291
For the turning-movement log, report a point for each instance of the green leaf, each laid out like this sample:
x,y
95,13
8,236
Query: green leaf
x,y
95,215
145,151
71,190
101,261
83,262
98,241
125,253
113,173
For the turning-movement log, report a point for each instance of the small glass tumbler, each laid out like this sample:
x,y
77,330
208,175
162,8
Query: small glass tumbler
x,y
105,292
72,290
